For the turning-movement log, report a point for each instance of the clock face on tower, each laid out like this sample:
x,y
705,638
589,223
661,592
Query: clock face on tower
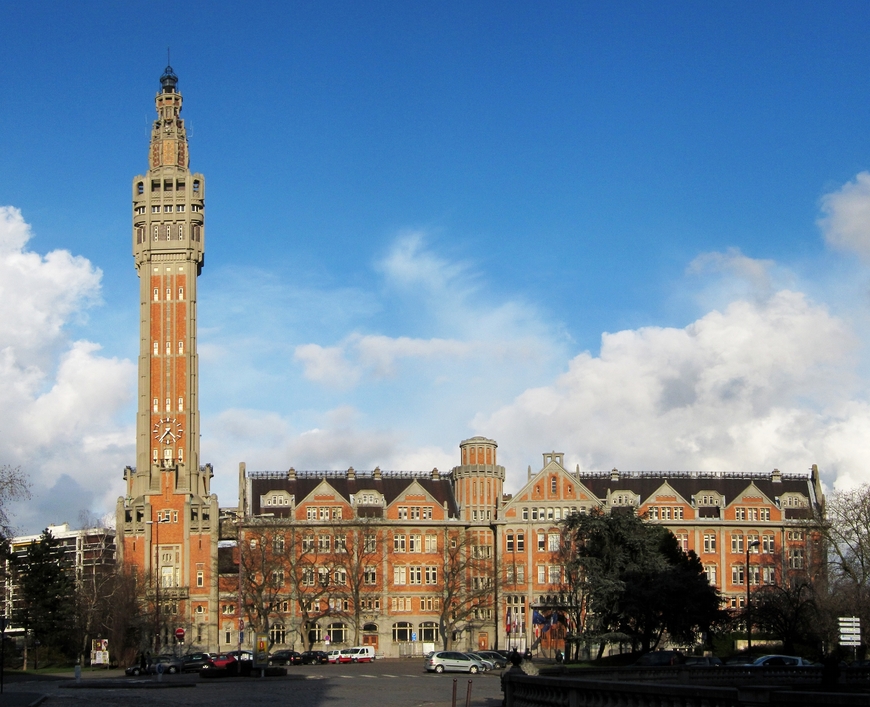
x,y
167,430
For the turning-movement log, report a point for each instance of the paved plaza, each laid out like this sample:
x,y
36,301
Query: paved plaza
x,y
385,683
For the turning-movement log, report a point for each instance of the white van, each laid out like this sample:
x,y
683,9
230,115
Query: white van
x,y
357,654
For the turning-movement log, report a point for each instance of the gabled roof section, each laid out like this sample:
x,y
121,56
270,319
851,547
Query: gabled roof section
x,y
391,484
665,489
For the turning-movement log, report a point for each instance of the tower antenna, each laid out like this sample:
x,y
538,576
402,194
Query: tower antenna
x,y
168,63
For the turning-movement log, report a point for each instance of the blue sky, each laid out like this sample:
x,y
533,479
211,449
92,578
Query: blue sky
x,y
589,227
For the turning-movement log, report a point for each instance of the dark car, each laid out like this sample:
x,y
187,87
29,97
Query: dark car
x,y
315,657
658,659
167,664
194,661
702,661
285,657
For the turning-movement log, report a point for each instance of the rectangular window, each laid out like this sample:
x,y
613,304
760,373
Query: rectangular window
x,y
398,543
403,512
415,543
710,571
752,539
740,514
415,575
181,293
534,514
678,513
736,543
525,513
400,575
370,543
156,294
542,574
767,544
754,574
324,513
339,576
542,541
431,575
555,574
370,575
683,540
155,209
431,543
168,348
311,513
796,558
427,513
308,576
521,542
337,513
768,575
709,542
181,405
510,542
521,574
168,404
652,512
156,405
324,543
765,514
415,512
180,208
307,543
553,542
737,576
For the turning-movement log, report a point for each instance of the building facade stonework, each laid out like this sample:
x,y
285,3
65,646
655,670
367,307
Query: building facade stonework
x,y
167,521
400,561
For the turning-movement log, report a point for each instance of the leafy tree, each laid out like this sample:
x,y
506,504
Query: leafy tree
x,y
635,580
45,604
787,612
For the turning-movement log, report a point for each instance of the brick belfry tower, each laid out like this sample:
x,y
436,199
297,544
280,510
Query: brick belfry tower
x,y
168,535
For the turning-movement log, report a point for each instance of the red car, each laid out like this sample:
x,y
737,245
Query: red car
x,y
221,661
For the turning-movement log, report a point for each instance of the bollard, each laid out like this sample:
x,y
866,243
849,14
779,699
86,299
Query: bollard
x,y
454,693
78,672
468,695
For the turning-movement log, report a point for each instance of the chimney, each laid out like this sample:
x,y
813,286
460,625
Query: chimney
x,y
435,473
291,474
351,474
614,474
776,476
376,474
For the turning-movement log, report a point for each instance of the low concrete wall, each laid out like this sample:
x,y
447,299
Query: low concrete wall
x,y
523,690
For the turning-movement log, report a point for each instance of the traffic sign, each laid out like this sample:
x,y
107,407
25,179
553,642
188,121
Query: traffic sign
x,y
179,633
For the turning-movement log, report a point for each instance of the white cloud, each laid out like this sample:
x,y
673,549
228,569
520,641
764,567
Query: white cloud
x,y
59,400
846,216
757,386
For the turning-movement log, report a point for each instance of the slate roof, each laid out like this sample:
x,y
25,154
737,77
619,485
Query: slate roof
x,y
688,484
391,485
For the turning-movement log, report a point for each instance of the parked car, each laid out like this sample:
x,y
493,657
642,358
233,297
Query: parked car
x,y
497,659
487,663
192,662
332,656
167,664
222,661
658,659
135,670
357,654
702,661
285,657
442,661
780,660
241,655
315,657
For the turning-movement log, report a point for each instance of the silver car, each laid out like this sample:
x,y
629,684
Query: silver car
x,y
441,661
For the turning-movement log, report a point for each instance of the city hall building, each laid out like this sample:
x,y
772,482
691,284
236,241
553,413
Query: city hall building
x,y
395,560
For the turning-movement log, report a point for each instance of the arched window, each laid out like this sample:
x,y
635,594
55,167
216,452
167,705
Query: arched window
x,y
180,293
277,633
156,294
402,631
140,188
180,348
370,628
156,349
337,633
429,631
181,405
168,293
156,406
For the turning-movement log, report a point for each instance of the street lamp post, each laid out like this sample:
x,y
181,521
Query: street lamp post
x,y
749,547
155,573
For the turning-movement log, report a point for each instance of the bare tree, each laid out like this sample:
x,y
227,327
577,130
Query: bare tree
x,y
14,486
467,591
263,571
310,567
359,547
